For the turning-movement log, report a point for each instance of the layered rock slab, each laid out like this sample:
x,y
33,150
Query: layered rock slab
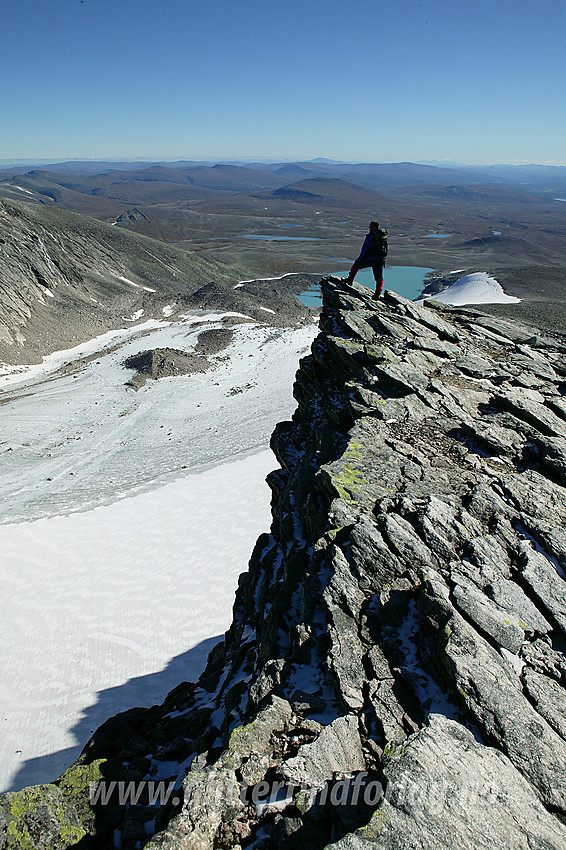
x,y
446,790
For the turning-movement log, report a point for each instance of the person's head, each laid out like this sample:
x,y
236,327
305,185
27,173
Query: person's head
x,y
373,225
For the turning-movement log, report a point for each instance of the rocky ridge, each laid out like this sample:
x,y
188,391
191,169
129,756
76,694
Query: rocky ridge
x,y
394,674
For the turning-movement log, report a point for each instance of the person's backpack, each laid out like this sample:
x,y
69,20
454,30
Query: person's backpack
x,y
380,242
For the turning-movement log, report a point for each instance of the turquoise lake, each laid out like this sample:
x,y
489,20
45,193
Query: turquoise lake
x,y
405,280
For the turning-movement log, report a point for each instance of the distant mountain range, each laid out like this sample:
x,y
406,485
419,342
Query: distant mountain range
x,y
106,190
236,176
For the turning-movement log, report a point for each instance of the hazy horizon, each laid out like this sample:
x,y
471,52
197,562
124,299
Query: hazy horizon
x,y
20,162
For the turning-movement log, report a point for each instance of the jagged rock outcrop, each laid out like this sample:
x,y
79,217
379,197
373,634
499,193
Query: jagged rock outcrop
x,y
394,674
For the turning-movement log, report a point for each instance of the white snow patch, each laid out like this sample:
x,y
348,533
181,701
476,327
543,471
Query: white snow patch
x,y
48,292
476,288
516,662
21,188
256,279
135,316
137,285
267,310
169,309
53,433
127,280
279,800
214,316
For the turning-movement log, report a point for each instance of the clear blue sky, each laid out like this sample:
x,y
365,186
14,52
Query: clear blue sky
x,y
464,80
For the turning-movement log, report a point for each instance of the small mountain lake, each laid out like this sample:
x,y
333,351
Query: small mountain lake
x,y
408,281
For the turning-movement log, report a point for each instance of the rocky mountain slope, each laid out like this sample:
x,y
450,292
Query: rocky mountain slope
x,y
65,278
394,674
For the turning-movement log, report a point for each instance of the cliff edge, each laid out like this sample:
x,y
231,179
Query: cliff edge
x,y
394,675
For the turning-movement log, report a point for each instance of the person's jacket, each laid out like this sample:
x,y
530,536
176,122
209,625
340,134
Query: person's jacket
x,y
373,248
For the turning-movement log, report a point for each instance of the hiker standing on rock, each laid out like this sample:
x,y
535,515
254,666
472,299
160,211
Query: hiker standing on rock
x,y
373,253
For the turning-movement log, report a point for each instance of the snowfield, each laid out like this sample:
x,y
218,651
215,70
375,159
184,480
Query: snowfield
x,y
74,436
126,520
477,288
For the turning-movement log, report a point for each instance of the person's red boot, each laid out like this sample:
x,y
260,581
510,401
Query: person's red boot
x,y
378,290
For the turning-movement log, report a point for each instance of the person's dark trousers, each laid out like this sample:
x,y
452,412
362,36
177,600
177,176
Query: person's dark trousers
x,y
377,275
